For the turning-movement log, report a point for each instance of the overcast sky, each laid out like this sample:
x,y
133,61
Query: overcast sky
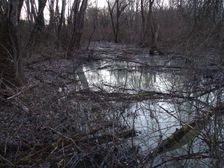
x,y
103,3
100,4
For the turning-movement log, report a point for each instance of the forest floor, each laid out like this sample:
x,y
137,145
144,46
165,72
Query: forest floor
x,y
46,120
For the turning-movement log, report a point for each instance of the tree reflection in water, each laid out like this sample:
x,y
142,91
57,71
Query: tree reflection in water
x,y
190,97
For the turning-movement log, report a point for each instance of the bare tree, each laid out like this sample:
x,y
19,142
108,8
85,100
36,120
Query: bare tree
x,y
77,13
116,9
10,53
150,27
38,25
30,11
52,13
61,21
143,22
40,16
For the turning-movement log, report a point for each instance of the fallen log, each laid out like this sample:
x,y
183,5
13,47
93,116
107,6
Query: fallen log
x,y
185,134
41,152
116,96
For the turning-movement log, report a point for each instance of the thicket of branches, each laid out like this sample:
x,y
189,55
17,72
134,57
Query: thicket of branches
x,y
149,23
30,29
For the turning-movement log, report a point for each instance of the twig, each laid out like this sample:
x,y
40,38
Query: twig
x,y
20,92
6,160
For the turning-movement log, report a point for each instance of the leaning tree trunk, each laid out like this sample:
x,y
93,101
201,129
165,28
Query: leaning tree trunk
x,y
11,74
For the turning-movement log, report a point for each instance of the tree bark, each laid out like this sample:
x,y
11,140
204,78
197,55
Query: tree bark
x,y
78,24
120,7
143,23
52,14
61,22
10,54
38,26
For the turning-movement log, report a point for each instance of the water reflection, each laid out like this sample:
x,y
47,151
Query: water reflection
x,y
115,76
153,119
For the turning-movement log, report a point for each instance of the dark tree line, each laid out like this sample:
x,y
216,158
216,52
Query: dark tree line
x,y
33,32
12,52
150,23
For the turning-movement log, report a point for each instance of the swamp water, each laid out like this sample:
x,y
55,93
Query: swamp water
x,y
153,119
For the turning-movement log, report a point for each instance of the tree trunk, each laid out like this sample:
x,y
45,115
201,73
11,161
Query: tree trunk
x,y
33,9
61,23
10,55
52,14
143,23
111,11
117,21
78,24
38,26
20,5
120,7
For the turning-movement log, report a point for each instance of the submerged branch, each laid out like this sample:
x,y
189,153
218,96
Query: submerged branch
x,y
116,96
185,134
